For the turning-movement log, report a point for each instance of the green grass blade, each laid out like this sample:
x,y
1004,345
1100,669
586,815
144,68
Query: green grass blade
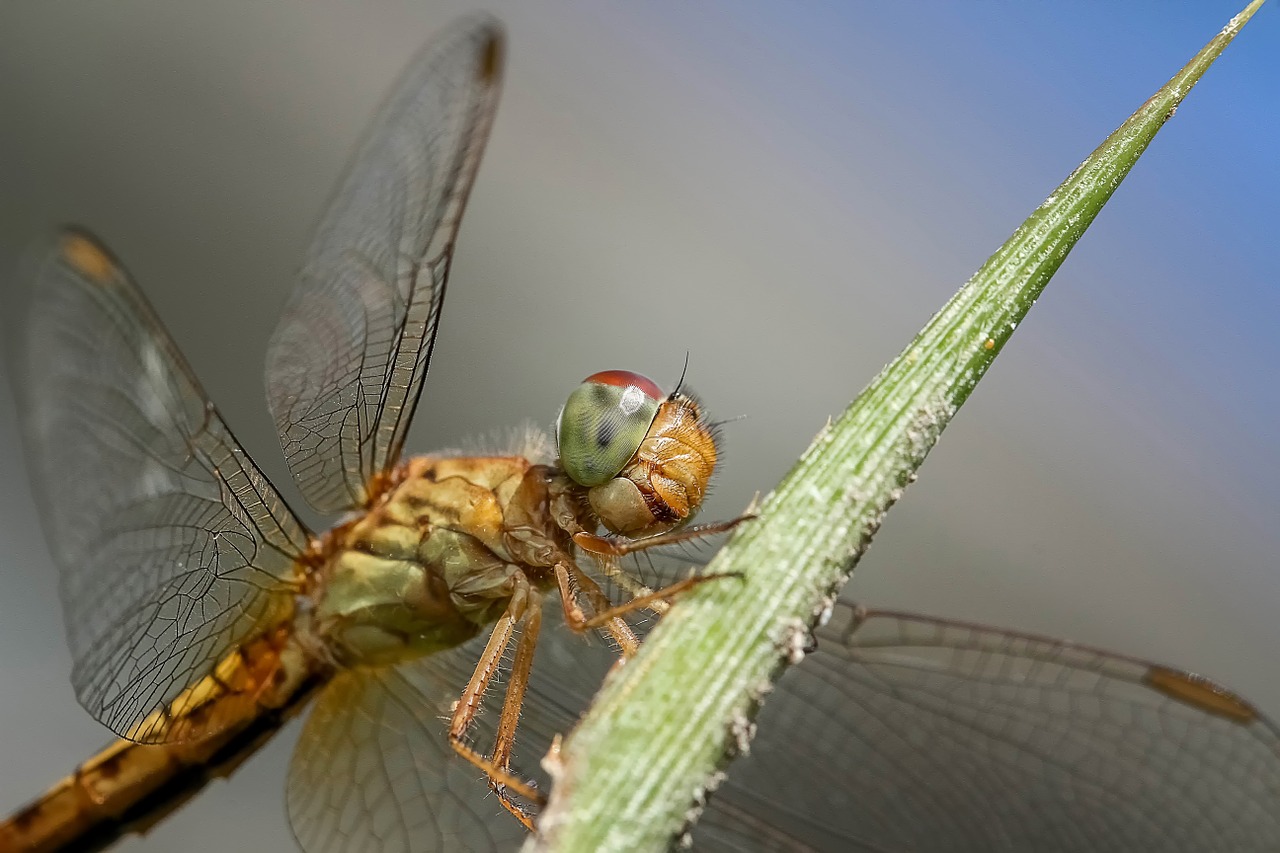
x,y
657,733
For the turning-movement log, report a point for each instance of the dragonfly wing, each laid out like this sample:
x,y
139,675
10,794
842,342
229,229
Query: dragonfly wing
x,y
346,363
904,732
172,545
374,769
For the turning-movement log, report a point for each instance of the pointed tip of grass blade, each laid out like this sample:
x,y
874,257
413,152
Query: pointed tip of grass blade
x,y
1233,26
656,732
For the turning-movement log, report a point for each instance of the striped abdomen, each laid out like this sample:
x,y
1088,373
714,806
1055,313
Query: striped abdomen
x,y
130,786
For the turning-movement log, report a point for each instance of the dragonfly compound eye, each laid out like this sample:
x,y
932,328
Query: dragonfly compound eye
x,y
603,423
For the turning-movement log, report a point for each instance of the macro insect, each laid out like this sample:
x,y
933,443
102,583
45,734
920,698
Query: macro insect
x,y
202,614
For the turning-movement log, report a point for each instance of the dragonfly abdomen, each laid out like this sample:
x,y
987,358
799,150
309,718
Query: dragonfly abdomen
x,y
129,786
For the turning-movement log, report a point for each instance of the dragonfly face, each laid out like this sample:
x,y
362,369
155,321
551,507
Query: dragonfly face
x,y
645,460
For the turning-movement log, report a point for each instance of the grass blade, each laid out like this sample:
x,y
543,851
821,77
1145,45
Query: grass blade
x,y
657,733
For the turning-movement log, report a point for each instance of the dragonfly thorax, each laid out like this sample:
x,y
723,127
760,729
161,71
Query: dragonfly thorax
x,y
435,560
380,610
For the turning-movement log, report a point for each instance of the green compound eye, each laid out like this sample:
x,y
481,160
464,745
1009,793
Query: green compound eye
x,y
603,423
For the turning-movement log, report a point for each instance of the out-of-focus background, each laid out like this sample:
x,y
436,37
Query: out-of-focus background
x,y
786,192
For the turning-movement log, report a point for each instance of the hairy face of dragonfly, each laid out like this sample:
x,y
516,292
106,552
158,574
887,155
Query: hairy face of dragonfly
x,y
202,614
644,459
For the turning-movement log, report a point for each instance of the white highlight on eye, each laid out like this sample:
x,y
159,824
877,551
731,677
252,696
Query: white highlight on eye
x,y
632,399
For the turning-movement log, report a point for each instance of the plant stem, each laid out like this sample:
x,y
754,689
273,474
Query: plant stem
x,y
657,733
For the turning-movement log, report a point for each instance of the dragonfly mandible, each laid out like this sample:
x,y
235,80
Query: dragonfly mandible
x,y
202,614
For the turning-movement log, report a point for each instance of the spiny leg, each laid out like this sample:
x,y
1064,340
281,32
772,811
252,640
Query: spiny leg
x,y
572,580
609,567
578,621
521,611
505,739
620,546
642,602
617,627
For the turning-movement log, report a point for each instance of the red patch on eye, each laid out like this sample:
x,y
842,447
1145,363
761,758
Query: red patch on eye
x,y
625,378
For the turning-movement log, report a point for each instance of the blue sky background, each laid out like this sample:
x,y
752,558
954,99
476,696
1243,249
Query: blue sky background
x,y
785,191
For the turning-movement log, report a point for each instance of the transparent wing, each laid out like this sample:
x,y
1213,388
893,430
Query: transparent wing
x,y
374,770
347,361
903,732
172,546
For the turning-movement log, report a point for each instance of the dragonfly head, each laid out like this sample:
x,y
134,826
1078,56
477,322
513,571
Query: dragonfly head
x,y
644,458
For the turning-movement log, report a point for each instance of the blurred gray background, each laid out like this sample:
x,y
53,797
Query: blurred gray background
x,y
786,193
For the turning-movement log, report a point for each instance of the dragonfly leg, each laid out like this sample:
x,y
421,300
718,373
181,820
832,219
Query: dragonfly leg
x,y
573,581
641,602
620,546
580,622
524,612
505,739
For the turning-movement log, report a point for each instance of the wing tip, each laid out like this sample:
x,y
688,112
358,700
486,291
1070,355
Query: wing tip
x,y
79,249
492,53
1200,693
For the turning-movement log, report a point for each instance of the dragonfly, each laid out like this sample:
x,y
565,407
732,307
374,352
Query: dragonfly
x,y
202,615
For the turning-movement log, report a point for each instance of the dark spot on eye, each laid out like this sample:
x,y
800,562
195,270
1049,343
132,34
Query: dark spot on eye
x,y
606,432
278,677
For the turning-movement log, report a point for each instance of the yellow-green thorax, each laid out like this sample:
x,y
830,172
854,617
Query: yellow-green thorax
x,y
434,560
